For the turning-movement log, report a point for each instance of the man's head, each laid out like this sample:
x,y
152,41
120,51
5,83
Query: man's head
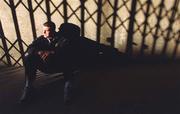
x,y
49,29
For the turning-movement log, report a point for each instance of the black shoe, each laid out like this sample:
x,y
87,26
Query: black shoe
x,y
27,94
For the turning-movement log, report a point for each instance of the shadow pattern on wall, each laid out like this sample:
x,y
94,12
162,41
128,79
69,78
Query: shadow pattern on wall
x,y
136,25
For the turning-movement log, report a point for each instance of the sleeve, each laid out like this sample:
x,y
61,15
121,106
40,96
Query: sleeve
x,y
38,44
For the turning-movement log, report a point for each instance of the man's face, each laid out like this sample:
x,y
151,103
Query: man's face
x,y
47,32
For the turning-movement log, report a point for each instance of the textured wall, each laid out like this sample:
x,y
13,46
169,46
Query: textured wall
x,y
153,22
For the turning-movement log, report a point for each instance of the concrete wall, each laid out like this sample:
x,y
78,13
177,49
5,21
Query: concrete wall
x,y
22,10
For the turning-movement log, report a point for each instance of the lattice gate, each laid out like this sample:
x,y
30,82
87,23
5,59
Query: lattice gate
x,y
135,27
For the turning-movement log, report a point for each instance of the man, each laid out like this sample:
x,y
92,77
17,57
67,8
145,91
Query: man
x,y
49,53
63,51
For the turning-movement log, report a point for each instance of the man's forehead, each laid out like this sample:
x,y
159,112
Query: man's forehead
x,y
46,27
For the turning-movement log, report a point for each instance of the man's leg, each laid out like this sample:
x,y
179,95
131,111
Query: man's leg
x,y
67,86
70,83
30,76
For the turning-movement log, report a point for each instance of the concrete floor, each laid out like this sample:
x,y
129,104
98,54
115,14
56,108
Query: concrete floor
x,y
133,88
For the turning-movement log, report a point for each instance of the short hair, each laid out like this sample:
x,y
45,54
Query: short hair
x,y
50,24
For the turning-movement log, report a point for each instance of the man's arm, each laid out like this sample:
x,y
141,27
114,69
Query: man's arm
x,y
40,47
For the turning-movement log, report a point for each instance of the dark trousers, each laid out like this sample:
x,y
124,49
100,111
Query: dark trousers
x,y
53,64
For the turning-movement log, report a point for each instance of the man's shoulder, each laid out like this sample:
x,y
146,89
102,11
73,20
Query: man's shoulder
x,y
40,38
40,41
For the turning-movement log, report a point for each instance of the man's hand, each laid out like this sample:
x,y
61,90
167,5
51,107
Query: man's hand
x,y
44,54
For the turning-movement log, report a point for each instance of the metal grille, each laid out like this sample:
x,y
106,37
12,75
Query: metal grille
x,y
135,27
